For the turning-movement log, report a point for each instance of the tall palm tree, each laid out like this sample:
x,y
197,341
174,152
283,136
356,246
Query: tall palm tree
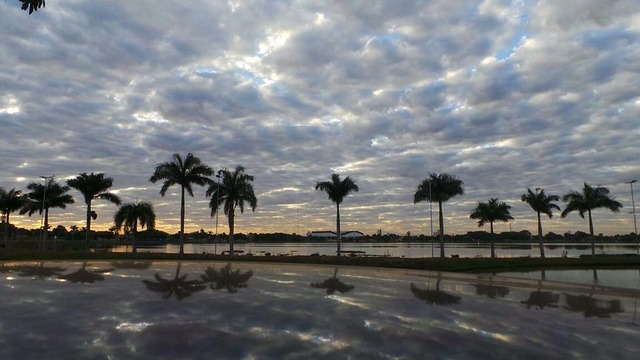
x,y
541,203
93,186
179,286
440,188
10,201
236,188
184,172
489,212
128,216
337,190
589,199
54,195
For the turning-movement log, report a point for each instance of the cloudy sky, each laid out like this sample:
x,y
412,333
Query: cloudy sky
x,y
504,95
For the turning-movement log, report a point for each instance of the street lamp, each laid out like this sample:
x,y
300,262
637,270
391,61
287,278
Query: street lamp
x,y
43,232
635,225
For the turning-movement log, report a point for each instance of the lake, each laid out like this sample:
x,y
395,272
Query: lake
x,y
396,249
204,310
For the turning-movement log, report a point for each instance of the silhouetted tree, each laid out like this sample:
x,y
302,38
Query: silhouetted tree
x,y
179,286
590,307
184,172
93,186
489,212
226,278
10,201
39,271
83,275
56,197
130,214
333,284
337,190
541,203
434,297
589,199
32,5
440,188
235,189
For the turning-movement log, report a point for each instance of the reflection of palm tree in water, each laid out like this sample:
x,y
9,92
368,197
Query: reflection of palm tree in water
x,y
490,290
436,296
540,299
226,278
40,271
83,275
590,306
132,264
333,284
179,286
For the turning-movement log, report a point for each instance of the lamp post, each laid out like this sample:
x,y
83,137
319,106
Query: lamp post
x,y
635,225
43,231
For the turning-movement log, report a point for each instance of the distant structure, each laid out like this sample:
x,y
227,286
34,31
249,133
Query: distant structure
x,y
333,234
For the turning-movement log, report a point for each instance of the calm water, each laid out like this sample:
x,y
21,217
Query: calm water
x,y
205,310
410,250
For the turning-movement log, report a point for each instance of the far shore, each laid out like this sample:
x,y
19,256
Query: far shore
x,y
462,264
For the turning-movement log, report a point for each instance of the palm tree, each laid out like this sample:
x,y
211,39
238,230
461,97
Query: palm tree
x,y
226,278
235,189
93,186
440,188
589,199
74,230
489,212
184,172
54,195
130,214
333,284
179,286
10,201
541,203
337,190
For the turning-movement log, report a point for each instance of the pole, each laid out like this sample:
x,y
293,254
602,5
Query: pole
x,y
47,180
635,224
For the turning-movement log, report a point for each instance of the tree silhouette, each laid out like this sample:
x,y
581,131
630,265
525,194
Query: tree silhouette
x,y
491,291
179,286
39,271
337,190
83,275
589,199
10,201
130,214
541,203
489,212
235,189
226,278
184,172
434,297
440,188
591,307
333,284
93,186
32,5
55,197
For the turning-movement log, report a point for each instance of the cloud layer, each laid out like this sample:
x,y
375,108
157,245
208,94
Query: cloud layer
x,y
503,94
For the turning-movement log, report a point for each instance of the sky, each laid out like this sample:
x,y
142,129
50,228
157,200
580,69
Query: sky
x,y
504,95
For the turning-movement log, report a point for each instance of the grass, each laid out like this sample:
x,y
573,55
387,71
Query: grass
x,y
434,264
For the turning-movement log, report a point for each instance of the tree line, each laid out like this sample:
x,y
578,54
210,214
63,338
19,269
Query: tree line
x,y
233,189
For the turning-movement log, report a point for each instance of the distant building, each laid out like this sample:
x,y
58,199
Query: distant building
x,y
333,234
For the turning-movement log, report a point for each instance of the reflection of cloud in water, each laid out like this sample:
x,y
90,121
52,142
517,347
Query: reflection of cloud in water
x,y
122,319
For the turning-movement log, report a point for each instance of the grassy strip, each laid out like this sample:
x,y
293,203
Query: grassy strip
x,y
434,264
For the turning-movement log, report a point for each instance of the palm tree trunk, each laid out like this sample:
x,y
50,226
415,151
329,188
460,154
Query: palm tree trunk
x,y
231,231
45,233
182,222
6,229
493,248
540,236
87,233
135,236
593,240
338,229
441,220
